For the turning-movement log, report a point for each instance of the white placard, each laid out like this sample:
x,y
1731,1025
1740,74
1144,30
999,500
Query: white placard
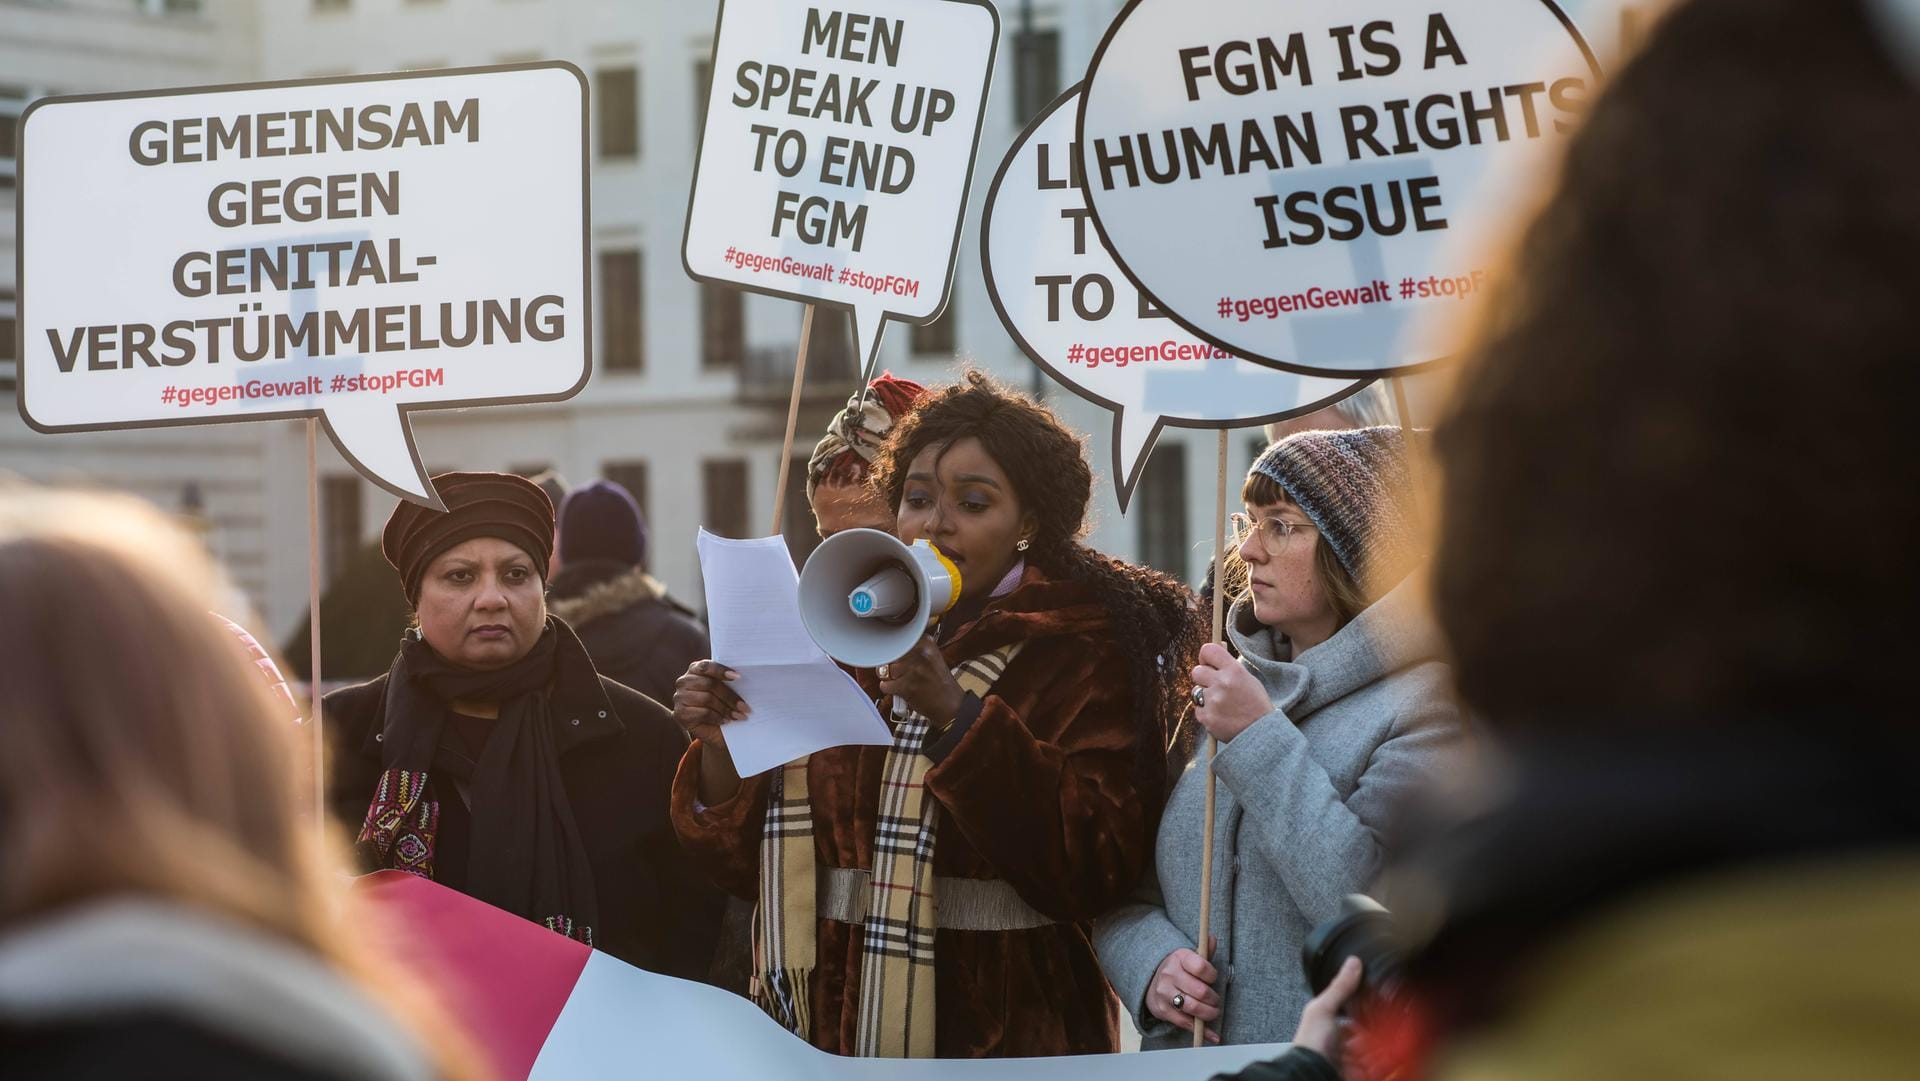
x,y
838,151
1063,299
349,248
1292,181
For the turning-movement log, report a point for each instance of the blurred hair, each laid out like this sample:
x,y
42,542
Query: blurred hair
x,y
1680,474
139,754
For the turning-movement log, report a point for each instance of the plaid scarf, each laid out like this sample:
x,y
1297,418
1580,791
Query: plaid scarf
x,y
896,1018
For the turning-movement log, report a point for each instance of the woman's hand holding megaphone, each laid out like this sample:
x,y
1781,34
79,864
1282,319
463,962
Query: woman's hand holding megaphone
x,y
923,681
702,703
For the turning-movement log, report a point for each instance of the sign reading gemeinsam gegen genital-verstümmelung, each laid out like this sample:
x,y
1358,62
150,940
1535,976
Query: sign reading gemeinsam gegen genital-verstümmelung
x,y
351,249
838,151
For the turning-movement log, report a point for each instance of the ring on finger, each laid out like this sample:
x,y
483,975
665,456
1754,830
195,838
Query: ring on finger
x,y
886,671
1179,1002
1200,697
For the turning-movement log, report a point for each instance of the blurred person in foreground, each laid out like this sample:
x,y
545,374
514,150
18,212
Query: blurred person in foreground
x,y
1336,706
165,910
494,759
1677,573
933,898
634,630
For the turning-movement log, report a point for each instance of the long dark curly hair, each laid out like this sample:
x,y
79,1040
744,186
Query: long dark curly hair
x,y
1155,617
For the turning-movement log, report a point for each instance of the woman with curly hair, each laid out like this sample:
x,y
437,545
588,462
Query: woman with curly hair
x,y
935,898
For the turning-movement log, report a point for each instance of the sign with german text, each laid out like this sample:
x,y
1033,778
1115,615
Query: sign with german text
x,y
352,249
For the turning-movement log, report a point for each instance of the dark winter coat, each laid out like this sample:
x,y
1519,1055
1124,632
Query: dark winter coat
x,y
635,633
1041,789
655,910
160,992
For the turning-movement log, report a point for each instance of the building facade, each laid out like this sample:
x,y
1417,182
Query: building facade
x,y
688,398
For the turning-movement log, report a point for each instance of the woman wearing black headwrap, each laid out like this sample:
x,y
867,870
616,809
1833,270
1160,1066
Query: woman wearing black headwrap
x,y
493,759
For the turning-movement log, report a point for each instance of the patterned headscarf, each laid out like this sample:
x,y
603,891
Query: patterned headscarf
x,y
855,434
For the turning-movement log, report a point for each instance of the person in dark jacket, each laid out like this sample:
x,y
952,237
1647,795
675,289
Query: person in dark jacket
x,y
492,757
635,632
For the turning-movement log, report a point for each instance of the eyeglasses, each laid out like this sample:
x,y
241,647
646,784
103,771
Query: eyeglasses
x,y
1273,531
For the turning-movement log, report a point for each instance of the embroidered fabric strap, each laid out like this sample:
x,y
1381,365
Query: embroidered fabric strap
x,y
896,1005
401,823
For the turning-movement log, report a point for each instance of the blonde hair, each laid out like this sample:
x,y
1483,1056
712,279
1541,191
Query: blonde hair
x,y
141,754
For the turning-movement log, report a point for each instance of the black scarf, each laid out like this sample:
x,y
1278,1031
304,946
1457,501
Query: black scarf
x,y
527,856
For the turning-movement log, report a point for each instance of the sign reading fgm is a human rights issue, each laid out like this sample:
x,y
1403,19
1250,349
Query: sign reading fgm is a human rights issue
x,y
837,154
1305,183
351,249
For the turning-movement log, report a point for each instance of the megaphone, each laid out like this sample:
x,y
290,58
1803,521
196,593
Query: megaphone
x,y
866,597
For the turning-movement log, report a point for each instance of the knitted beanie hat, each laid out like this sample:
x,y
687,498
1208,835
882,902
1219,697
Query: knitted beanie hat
x,y
601,521
514,509
1353,485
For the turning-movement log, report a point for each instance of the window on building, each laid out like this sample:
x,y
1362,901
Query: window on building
x,y
725,495
1036,73
702,84
1160,508
328,6
723,331
9,142
9,329
622,344
340,523
937,338
631,475
830,346
618,94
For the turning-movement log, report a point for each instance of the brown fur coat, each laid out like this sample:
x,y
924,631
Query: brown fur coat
x,y
1044,791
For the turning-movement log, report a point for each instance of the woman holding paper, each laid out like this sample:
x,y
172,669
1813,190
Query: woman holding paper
x,y
494,759
935,897
1337,705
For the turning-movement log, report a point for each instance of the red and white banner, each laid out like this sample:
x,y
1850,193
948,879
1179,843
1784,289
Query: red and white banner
x,y
546,1008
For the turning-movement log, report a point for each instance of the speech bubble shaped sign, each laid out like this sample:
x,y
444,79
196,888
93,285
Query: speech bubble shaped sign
x,y
838,151
1285,179
354,249
1066,303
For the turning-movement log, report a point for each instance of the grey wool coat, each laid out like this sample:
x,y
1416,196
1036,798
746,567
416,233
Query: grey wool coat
x,y
1302,796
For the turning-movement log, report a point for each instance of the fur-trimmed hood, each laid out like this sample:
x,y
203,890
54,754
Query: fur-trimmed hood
x,y
584,592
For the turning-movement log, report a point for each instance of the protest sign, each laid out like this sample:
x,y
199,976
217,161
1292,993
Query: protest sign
x,y
352,249
1285,179
838,151
1070,309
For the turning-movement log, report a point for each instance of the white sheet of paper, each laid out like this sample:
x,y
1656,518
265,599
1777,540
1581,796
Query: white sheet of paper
x,y
802,702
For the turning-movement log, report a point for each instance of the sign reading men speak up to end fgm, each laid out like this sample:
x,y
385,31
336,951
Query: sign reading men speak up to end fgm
x,y
351,249
1292,181
838,150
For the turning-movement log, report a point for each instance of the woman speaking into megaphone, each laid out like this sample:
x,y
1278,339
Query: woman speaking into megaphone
x,y
934,897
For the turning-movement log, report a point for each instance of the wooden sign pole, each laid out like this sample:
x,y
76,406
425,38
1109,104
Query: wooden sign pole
x,y
1219,635
314,720
793,419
